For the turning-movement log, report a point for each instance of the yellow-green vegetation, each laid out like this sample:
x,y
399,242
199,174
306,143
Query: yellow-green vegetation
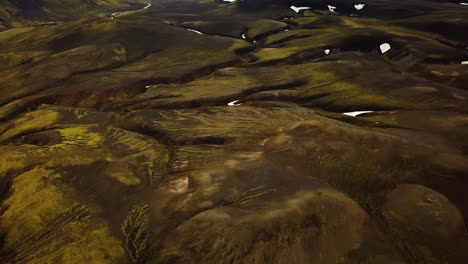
x,y
79,136
29,123
42,210
303,21
268,55
107,106
91,58
36,199
262,27
92,242
136,234
9,15
287,35
13,159
392,29
150,156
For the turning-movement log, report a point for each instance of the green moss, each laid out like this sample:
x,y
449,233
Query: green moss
x,y
263,26
135,231
30,122
303,21
274,54
33,204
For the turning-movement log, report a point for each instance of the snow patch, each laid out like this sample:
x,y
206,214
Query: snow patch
x,y
234,103
327,51
331,8
196,31
385,47
356,113
298,9
359,6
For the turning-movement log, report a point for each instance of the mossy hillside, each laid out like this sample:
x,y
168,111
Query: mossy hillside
x,y
31,206
42,210
318,84
135,230
234,28
448,23
30,10
237,83
266,181
233,129
289,44
131,159
36,38
57,182
271,55
347,87
303,21
78,60
11,59
9,15
404,96
283,36
127,150
30,123
205,50
39,75
262,27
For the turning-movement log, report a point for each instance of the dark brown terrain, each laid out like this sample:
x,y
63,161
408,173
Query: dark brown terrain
x,y
203,131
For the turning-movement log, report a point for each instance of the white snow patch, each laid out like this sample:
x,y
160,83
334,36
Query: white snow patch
x,y
356,113
286,30
465,4
359,6
230,1
196,31
297,9
234,103
243,36
464,62
385,47
327,51
331,8
147,6
147,87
